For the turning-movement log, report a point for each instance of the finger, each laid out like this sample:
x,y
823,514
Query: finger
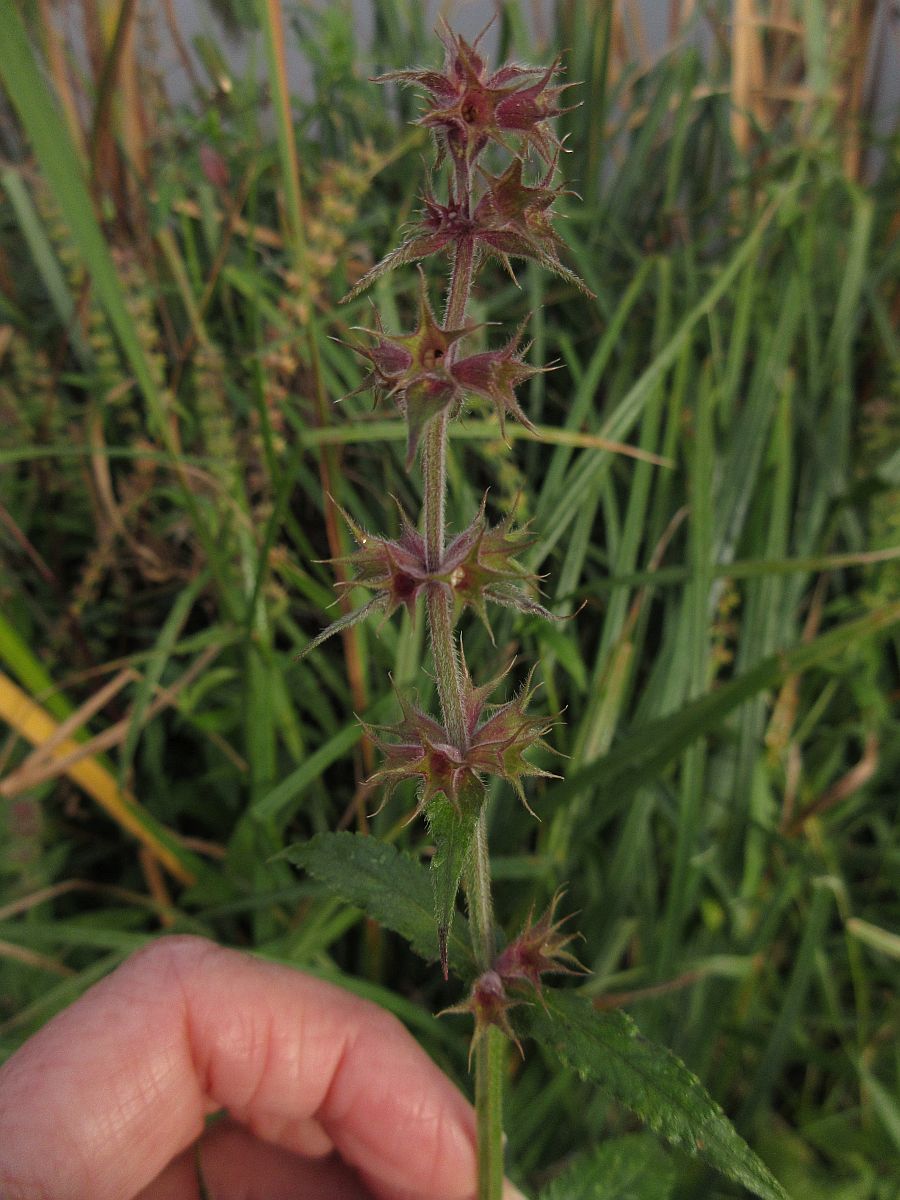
x,y
236,1166
97,1103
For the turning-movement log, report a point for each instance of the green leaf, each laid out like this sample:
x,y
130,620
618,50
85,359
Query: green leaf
x,y
634,1167
347,621
387,884
609,1050
453,830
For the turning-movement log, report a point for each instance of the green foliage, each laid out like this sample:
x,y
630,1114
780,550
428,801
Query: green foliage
x,y
609,1050
387,885
453,832
627,1168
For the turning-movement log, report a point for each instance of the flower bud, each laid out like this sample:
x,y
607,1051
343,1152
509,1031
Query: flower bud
x,y
495,374
410,368
540,949
488,1003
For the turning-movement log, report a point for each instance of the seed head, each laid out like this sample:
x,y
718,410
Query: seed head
x,y
466,107
423,750
497,738
510,220
394,569
500,741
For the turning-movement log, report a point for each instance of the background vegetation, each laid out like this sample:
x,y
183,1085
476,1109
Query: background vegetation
x,y
170,464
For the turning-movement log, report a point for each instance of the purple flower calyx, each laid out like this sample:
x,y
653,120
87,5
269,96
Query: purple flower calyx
x,y
466,107
410,368
394,569
497,738
481,564
510,220
488,1003
495,374
540,949
415,369
478,565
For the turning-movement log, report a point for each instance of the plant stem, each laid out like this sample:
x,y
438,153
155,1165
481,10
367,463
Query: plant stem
x,y
489,1058
491,1048
447,667
460,286
478,889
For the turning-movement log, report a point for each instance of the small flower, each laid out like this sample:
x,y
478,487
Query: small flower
x,y
495,374
467,108
540,949
410,368
497,737
480,564
488,1003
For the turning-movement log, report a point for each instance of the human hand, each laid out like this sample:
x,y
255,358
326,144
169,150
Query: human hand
x,y
327,1095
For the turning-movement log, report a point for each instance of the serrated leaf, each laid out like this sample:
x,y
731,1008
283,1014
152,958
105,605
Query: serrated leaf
x,y
387,884
634,1167
453,830
609,1050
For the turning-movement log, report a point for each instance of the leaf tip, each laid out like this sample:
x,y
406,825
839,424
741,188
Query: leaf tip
x,y
445,957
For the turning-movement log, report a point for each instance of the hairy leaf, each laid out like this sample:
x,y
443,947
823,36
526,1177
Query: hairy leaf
x,y
609,1050
387,884
453,829
345,622
634,1167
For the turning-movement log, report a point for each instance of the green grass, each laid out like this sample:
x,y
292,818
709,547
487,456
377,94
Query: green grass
x,y
728,825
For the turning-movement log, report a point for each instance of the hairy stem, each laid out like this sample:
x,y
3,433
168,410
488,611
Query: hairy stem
x,y
490,1050
489,1064
460,286
478,890
447,667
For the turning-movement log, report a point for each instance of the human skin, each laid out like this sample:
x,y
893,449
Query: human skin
x,y
326,1095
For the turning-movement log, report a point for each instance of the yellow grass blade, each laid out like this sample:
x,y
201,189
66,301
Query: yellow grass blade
x,y
36,726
